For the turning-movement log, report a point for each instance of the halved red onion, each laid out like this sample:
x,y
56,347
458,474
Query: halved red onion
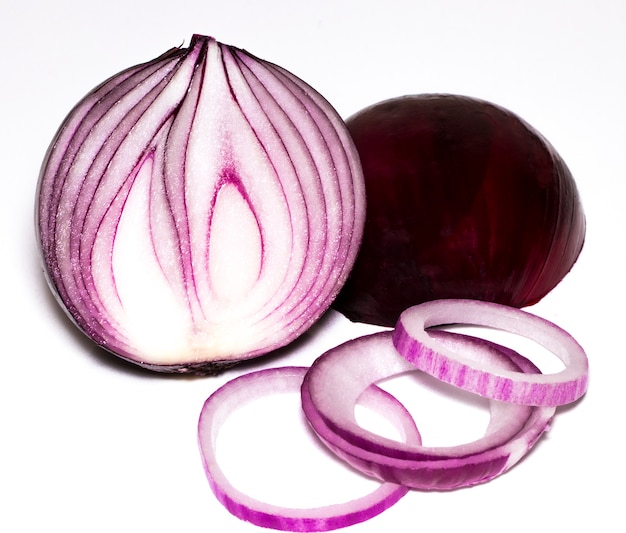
x,y
469,171
249,387
471,370
199,209
336,380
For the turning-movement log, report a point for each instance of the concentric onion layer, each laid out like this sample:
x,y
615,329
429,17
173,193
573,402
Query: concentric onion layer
x,y
249,387
206,206
335,381
469,370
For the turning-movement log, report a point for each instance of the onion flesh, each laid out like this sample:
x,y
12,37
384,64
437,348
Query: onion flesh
x,y
248,387
199,209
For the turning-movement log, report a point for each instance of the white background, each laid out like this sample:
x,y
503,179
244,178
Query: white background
x,y
90,444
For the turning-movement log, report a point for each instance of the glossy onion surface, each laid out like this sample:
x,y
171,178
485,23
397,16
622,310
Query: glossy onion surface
x,y
464,200
199,209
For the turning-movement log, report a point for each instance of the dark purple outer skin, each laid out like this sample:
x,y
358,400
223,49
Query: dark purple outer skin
x,y
465,200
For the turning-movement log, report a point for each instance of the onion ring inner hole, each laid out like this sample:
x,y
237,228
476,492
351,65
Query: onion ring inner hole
x,y
543,358
281,447
445,415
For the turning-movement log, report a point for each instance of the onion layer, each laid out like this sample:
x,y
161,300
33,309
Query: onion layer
x,y
471,371
199,209
335,381
249,387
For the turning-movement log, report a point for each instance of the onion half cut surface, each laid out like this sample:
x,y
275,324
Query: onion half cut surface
x,y
335,381
199,209
471,371
248,387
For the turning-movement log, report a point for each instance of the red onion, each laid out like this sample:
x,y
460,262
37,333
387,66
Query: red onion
x,y
335,381
199,209
249,387
471,371
464,200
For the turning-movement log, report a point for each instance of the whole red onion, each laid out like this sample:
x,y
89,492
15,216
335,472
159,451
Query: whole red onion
x,y
464,200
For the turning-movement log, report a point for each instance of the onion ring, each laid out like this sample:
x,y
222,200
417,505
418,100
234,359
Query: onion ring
x,y
470,371
335,381
249,387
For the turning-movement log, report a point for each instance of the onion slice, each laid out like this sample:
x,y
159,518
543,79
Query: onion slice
x,y
472,372
335,381
249,387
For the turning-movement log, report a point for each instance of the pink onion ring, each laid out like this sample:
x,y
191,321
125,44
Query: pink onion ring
x,y
249,387
472,372
334,383
505,420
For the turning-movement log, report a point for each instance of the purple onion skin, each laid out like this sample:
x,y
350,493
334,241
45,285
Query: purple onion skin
x,y
464,200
